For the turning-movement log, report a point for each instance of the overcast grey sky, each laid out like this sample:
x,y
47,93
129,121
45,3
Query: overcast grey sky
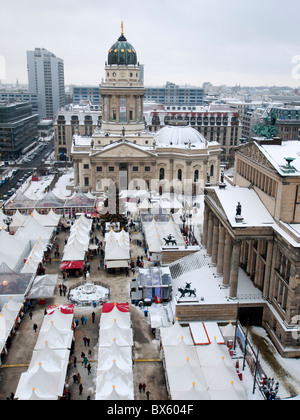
x,y
186,42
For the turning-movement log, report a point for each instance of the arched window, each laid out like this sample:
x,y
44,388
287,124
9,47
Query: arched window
x,y
196,175
161,174
211,170
179,175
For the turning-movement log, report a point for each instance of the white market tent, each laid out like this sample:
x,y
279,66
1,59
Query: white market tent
x,y
114,372
49,219
122,319
119,379
155,232
121,336
43,286
45,379
46,374
13,250
207,369
117,249
18,219
173,335
122,356
33,230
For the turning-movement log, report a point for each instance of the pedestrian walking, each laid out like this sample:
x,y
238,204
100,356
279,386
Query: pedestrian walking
x,y
35,327
82,319
30,315
85,361
140,387
89,368
80,389
74,361
148,395
88,342
84,340
79,377
75,379
93,317
144,387
85,320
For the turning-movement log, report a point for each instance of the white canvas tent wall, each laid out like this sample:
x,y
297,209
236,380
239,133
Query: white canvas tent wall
x,y
43,286
155,232
119,379
50,219
173,335
33,230
13,250
108,319
117,249
121,355
121,336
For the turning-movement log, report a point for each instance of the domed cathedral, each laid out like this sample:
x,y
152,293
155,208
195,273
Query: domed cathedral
x,y
122,92
123,150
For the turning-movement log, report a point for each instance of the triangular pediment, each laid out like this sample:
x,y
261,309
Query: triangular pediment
x,y
124,150
252,151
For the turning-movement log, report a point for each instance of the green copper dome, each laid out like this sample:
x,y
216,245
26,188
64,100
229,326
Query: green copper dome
x,y
122,53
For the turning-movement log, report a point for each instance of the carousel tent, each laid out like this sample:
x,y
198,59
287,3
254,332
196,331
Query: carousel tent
x,y
81,201
13,284
50,201
20,201
43,286
117,249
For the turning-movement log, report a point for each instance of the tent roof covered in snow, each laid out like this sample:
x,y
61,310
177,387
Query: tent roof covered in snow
x,y
43,286
117,249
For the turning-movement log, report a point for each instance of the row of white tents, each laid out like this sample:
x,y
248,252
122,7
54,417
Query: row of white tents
x,y
117,249
9,318
50,219
46,374
198,372
114,371
78,242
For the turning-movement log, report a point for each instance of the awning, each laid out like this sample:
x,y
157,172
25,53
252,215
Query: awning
x,y
116,263
71,265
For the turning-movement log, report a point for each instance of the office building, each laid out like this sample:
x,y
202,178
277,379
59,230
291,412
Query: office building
x,y
46,77
18,129
172,94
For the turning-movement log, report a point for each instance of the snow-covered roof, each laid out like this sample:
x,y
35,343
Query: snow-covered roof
x,y
277,154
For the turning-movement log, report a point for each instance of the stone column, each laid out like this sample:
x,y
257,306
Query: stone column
x,y
215,241
221,247
234,272
227,259
205,226
266,281
209,233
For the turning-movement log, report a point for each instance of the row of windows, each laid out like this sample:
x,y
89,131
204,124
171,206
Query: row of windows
x,y
112,168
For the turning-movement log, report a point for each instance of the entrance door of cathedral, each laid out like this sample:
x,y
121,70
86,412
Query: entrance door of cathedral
x,y
123,181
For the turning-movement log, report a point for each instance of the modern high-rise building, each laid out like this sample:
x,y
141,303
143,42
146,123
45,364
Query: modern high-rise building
x,y
18,129
46,77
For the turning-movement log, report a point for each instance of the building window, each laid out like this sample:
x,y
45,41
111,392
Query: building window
x,y
99,168
135,168
147,169
86,166
161,174
179,175
86,181
211,170
111,168
196,175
